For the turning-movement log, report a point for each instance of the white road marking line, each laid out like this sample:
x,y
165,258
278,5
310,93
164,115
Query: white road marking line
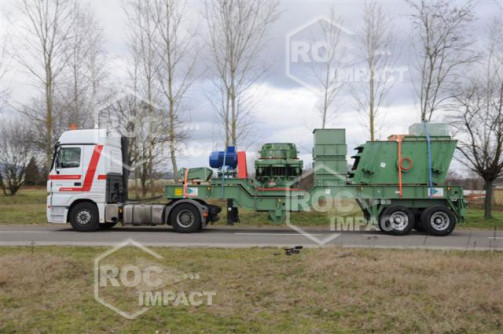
x,y
494,238
271,234
239,245
1,232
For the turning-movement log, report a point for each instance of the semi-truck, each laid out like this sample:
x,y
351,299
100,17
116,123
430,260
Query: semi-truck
x,y
399,183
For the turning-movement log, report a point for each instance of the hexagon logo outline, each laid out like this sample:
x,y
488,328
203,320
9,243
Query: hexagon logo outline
x,y
288,47
299,229
125,243
101,107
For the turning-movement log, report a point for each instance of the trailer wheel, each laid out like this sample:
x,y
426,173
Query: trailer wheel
x,y
84,217
396,220
185,218
438,221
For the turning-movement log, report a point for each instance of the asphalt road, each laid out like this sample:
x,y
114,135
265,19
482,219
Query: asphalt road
x,y
234,237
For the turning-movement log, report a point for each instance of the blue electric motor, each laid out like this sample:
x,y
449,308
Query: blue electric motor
x,y
230,155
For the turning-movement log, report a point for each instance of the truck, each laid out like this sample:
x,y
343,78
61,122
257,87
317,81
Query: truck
x,y
399,184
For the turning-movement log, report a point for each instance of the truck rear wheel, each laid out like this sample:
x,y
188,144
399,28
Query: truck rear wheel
x,y
396,220
84,217
185,218
438,221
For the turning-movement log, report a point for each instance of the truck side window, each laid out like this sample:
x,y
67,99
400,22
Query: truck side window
x,y
68,157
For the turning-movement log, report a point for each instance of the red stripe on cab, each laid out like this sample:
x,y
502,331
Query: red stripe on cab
x,y
64,177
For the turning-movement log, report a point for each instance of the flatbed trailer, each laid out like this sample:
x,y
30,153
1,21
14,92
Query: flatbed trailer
x,y
372,199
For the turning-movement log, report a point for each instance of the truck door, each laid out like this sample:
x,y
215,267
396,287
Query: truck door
x,y
66,175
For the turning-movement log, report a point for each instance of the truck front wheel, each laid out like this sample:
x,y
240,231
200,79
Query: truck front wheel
x,y
185,218
84,217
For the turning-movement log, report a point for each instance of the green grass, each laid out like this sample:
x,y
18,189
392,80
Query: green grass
x,y
25,208
28,207
475,219
50,290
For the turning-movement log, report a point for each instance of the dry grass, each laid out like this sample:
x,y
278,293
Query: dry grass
x,y
262,290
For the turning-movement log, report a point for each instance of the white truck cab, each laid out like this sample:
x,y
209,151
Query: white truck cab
x,y
82,161
87,187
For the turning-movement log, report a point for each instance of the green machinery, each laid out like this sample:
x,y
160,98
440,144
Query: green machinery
x,y
278,165
398,184
378,162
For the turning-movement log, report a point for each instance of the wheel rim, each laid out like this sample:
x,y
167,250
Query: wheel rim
x,y
84,217
440,221
399,220
185,218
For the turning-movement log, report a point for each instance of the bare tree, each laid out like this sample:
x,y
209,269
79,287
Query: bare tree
x,y
237,32
4,90
46,36
85,74
146,65
479,116
376,42
177,55
443,48
327,75
15,151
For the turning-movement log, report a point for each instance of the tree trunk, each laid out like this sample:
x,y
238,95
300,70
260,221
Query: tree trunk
x,y
325,98
48,118
172,152
143,180
136,183
172,140
234,120
151,170
488,201
76,121
151,143
372,104
226,120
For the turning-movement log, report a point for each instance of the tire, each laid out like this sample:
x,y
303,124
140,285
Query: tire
x,y
106,226
396,220
84,217
185,218
438,221
418,225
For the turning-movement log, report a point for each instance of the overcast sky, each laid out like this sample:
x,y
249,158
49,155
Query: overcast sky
x,y
284,110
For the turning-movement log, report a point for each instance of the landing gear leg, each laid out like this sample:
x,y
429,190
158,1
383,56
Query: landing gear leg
x,y
232,213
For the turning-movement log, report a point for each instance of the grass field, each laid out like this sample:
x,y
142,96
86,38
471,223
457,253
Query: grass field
x,y
50,290
28,207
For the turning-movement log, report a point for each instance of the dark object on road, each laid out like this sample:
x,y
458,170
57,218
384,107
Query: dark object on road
x,y
294,250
